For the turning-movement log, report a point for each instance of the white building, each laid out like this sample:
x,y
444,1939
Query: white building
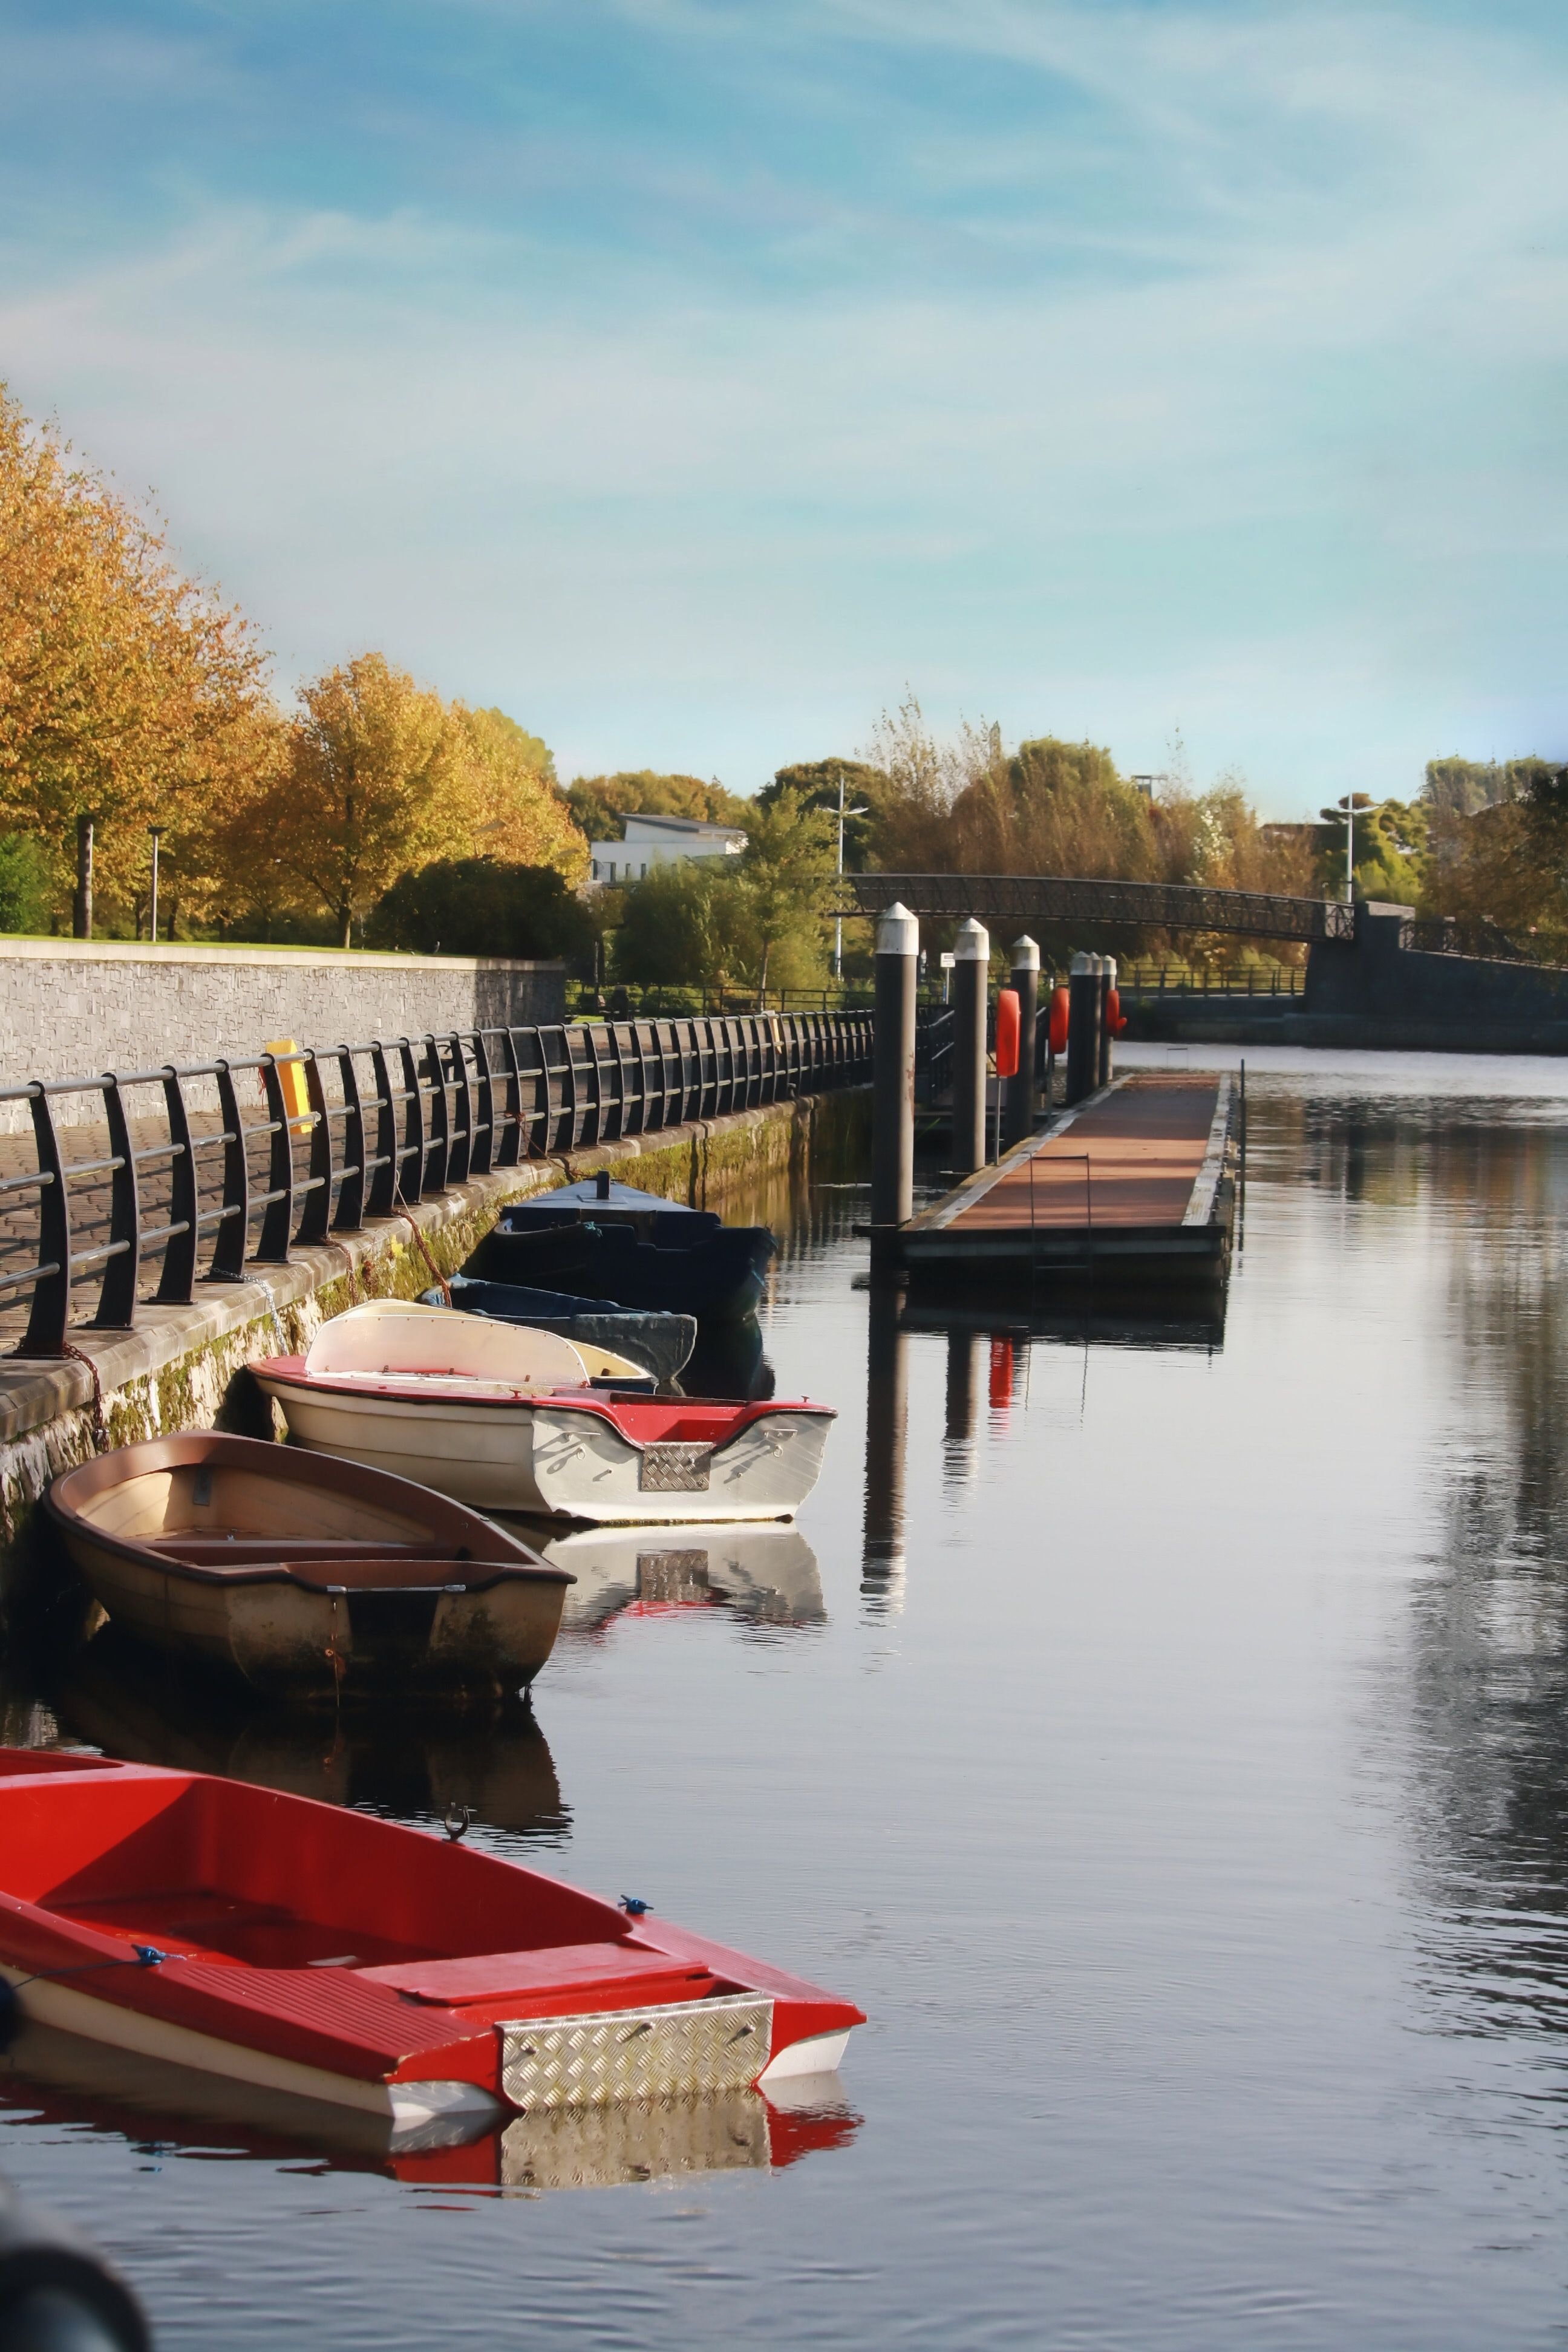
x,y
660,841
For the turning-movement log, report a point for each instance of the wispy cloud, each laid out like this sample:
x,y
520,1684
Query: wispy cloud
x,y
688,375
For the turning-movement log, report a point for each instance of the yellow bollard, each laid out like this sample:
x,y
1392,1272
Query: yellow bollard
x,y
291,1079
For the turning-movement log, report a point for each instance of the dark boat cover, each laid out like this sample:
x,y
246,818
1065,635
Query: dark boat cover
x,y
660,1343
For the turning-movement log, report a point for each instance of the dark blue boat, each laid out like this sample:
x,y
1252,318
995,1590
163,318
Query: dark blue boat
x,y
661,1343
603,1240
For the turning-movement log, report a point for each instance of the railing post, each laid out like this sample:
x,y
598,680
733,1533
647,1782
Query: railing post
x,y
411,1152
234,1225
433,1175
460,1139
638,1027
349,1215
316,1209
278,1217
50,1310
177,1280
510,1149
482,1125
537,1073
383,1182
117,1298
971,971
612,1039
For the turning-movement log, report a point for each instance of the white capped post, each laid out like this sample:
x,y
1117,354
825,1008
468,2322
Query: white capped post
x,y
971,978
893,1069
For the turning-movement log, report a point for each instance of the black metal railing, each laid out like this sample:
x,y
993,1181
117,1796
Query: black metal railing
x,y
1045,901
241,1161
1139,982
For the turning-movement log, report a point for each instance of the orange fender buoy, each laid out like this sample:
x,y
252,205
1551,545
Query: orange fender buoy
x,y
1007,1019
1116,1020
1058,1029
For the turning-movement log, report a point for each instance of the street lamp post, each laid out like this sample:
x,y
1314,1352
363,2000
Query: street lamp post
x,y
838,919
156,833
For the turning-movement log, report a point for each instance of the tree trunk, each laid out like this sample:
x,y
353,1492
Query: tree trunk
x,y
81,905
345,927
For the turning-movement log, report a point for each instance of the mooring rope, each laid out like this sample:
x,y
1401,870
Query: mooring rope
x,y
417,1232
99,1426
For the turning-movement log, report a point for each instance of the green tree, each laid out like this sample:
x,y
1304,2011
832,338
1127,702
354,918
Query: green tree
x,y
816,781
599,803
786,873
26,883
481,906
677,926
1456,787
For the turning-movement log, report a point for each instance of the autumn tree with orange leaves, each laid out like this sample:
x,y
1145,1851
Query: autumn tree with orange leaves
x,y
130,695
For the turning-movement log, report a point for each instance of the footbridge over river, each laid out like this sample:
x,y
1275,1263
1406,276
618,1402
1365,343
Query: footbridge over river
x,y
1054,900
1375,975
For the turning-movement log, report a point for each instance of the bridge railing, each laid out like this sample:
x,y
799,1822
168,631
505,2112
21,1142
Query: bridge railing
x,y
1045,899
201,1172
1140,980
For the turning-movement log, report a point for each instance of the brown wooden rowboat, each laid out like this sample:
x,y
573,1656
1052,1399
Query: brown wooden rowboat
x,y
315,1579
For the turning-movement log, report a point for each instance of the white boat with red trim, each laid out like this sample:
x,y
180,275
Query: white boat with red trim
x,y
503,1417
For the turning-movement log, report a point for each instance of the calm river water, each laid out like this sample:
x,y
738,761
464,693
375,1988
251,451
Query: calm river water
x,y
1183,1790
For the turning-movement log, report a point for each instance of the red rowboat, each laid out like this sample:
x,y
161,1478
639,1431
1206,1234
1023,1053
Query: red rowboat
x,y
288,1944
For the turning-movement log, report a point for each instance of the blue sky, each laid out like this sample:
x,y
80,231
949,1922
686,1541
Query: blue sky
x,y
688,376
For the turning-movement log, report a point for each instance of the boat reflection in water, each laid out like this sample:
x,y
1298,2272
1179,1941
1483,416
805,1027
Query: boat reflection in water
x,y
138,1706
765,1574
61,2079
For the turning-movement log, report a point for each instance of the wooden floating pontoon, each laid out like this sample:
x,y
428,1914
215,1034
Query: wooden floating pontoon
x,y
1133,1183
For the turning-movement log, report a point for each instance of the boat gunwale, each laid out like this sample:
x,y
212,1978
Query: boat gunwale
x,y
268,1369
374,2042
438,1515
220,1580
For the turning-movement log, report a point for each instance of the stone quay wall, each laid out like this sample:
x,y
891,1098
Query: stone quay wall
x,y
71,1008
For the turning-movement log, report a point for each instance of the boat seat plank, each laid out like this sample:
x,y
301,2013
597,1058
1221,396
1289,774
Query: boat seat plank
x,y
205,1924
599,1974
205,1551
436,1572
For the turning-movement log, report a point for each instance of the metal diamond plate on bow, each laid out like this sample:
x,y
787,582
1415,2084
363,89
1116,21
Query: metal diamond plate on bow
x,y
674,1469
722,2045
